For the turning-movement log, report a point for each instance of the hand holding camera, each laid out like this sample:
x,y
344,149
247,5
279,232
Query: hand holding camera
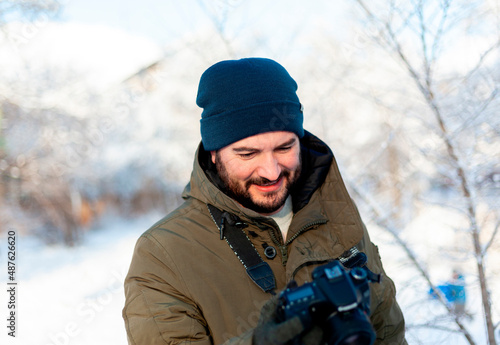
x,y
336,301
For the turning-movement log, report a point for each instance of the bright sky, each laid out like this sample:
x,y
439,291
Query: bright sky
x,y
112,39
162,20
158,20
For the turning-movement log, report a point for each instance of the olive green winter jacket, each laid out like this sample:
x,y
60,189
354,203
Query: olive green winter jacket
x,y
186,285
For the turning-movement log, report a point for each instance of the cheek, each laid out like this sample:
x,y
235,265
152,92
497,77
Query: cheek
x,y
291,162
239,170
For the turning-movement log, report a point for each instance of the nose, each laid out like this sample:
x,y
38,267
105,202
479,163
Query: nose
x,y
269,168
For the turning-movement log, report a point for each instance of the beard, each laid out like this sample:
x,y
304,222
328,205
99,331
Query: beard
x,y
264,203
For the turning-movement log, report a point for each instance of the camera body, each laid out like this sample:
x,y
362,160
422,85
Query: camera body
x,y
337,300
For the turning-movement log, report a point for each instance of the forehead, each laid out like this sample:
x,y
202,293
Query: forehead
x,y
265,140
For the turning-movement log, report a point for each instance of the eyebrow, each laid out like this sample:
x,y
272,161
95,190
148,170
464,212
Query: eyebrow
x,y
246,149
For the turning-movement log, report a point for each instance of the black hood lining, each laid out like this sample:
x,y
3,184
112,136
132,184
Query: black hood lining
x,y
316,160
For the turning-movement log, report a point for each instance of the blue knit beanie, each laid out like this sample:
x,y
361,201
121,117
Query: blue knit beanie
x,y
241,98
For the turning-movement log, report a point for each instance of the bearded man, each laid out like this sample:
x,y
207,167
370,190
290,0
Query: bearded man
x,y
265,206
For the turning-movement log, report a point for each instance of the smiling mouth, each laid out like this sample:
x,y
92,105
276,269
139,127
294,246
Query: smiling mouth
x,y
270,186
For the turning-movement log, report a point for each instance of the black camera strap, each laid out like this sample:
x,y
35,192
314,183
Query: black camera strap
x,y
231,229
354,258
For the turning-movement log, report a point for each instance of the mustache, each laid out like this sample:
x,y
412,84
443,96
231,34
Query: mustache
x,y
262,181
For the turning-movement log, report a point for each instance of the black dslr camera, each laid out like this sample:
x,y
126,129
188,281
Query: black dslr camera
x,y
336,300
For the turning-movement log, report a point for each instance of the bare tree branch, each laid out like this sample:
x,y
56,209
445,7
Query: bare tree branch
x,y
492,238
384,222
423,78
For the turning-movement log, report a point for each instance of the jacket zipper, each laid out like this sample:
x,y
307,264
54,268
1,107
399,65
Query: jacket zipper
x,y
304,228
283,248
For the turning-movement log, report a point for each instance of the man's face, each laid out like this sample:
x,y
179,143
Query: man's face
x,y
259,171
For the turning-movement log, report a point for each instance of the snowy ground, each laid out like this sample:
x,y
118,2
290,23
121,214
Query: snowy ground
x,y
75,295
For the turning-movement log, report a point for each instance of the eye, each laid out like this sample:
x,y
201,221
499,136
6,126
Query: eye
x,y
246,155
284,149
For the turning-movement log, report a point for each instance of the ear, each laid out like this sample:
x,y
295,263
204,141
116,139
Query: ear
x,y
212,154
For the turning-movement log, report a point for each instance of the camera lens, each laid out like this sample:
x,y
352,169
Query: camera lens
x,y
352,328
